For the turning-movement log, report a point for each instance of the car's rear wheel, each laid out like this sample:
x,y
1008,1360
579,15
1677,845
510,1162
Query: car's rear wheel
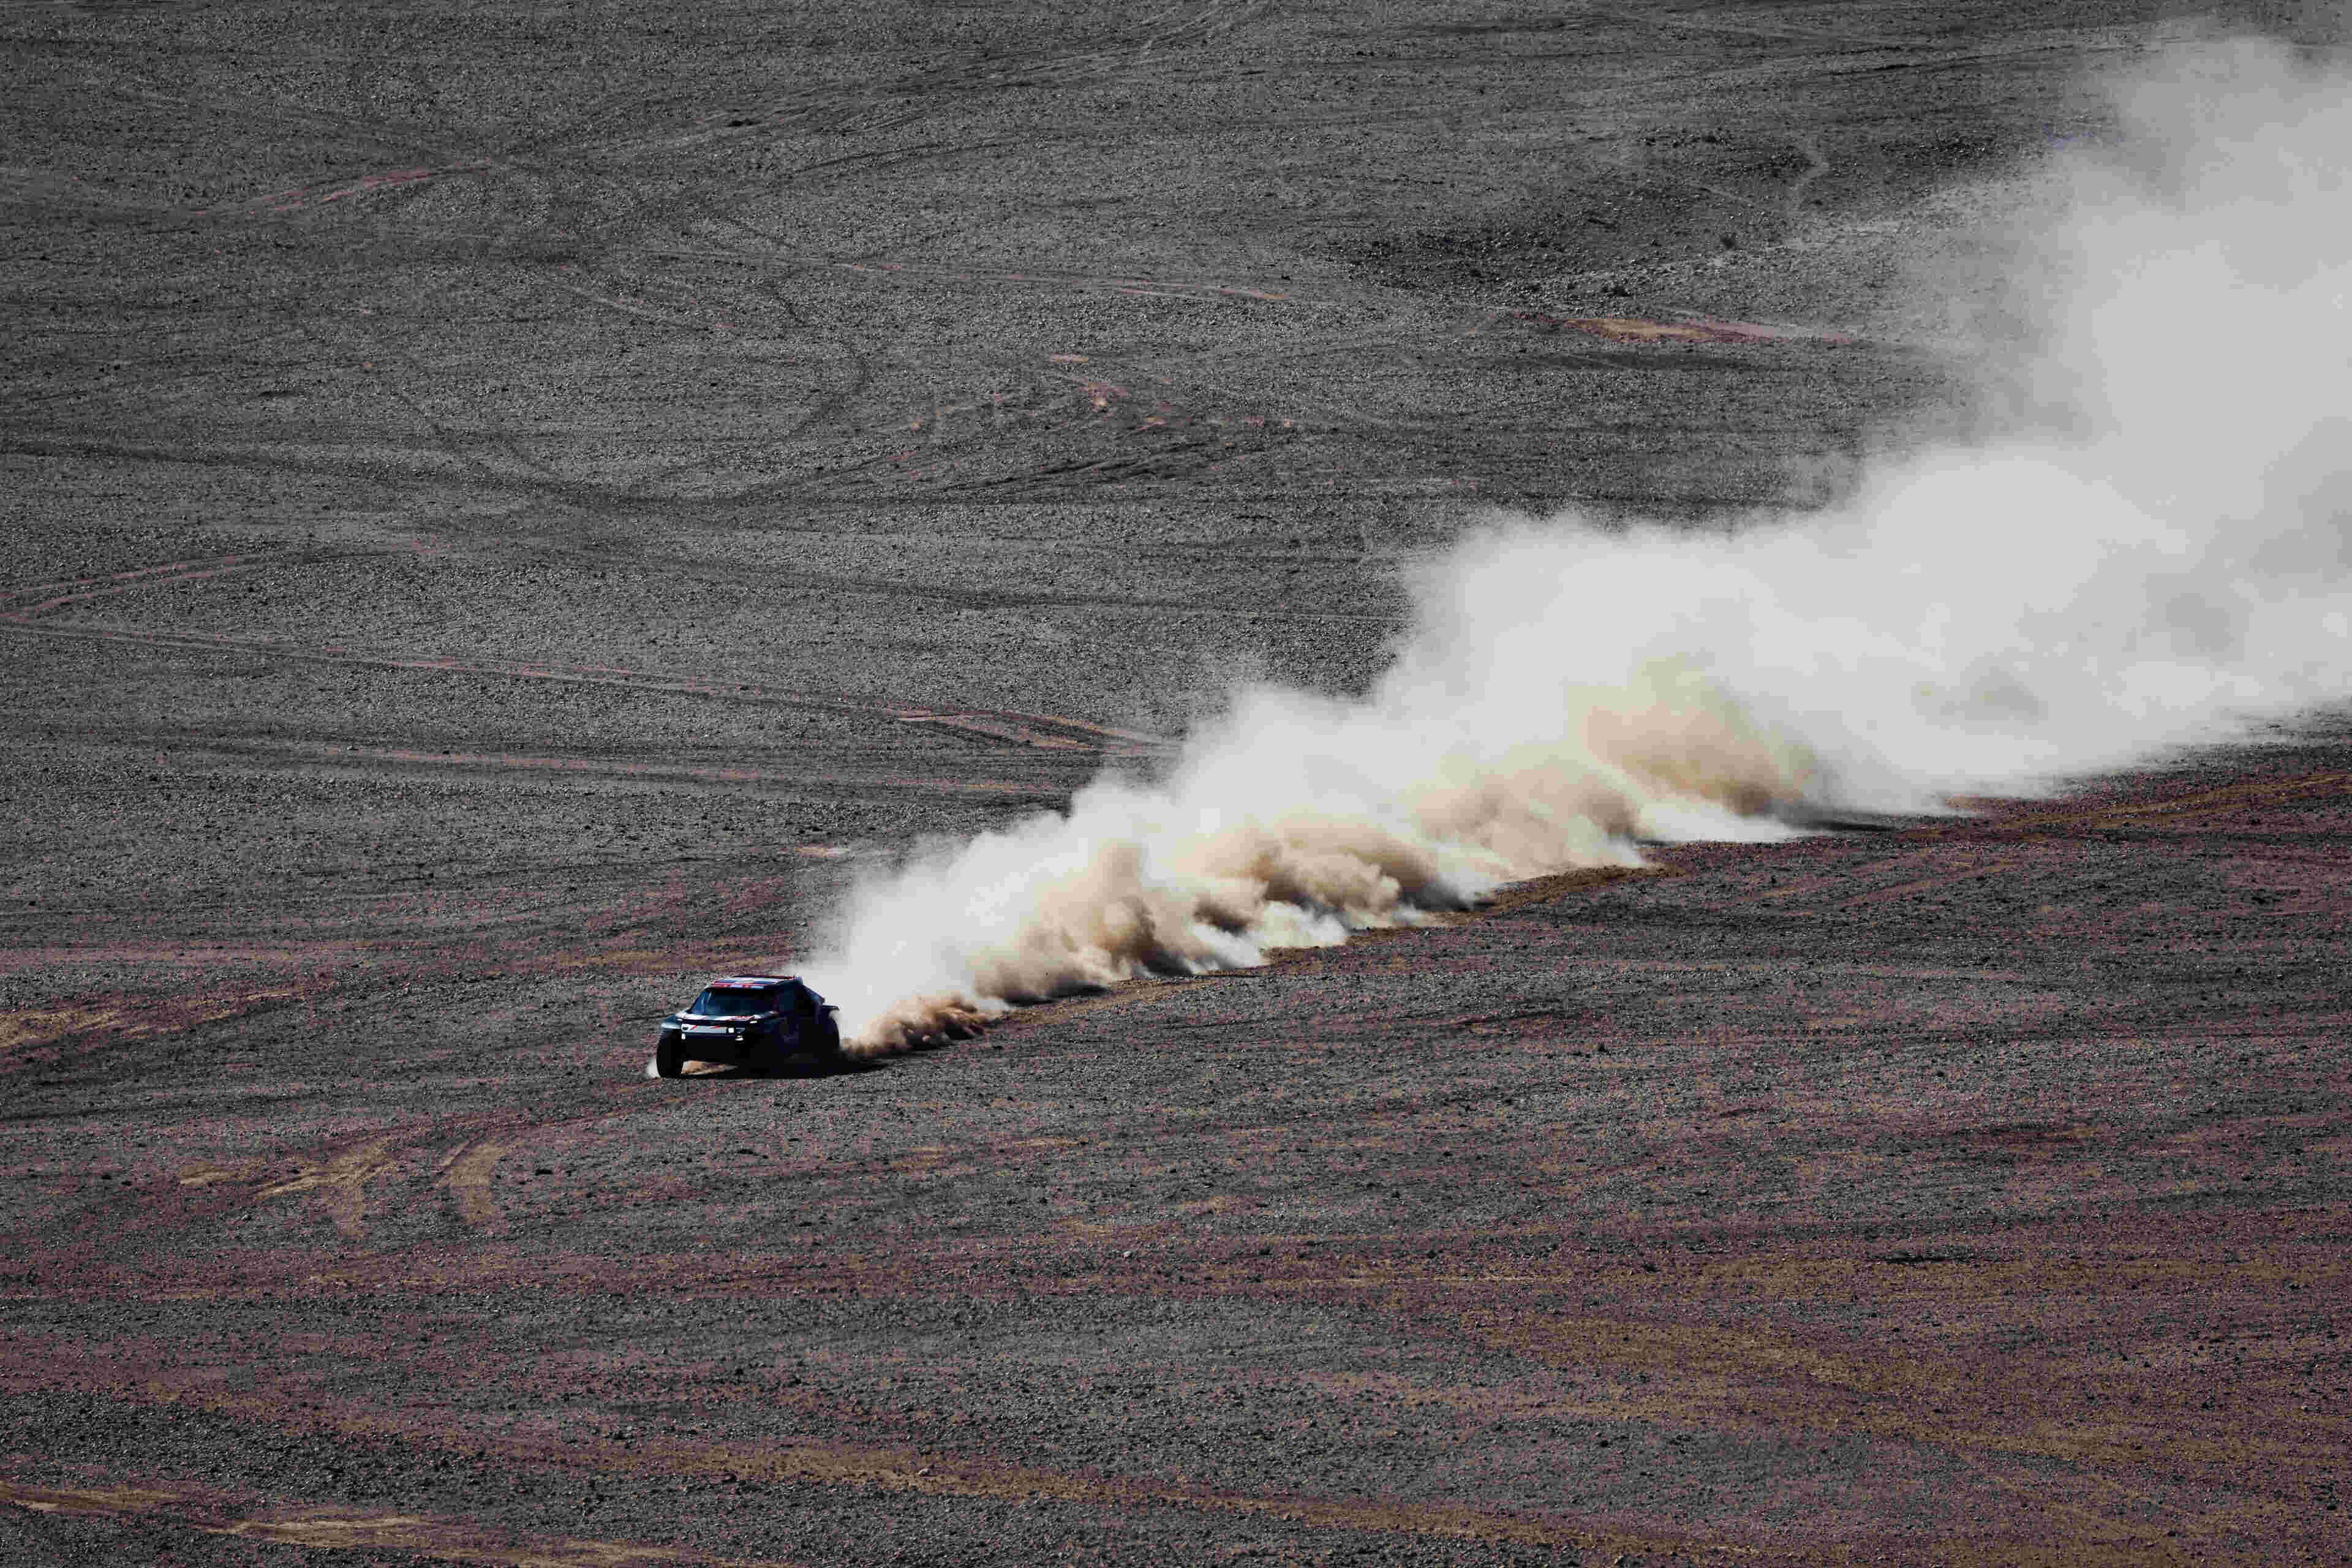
x,y
828,1043
670,1057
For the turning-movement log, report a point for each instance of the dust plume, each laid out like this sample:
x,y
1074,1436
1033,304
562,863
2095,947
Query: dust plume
x,y
2153,546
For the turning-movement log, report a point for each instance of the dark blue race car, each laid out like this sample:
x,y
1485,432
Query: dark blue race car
x,y
758,1021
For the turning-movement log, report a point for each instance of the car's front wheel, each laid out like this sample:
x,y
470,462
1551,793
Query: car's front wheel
x,y
670,1057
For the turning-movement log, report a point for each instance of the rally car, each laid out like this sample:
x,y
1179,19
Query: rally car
x,y
757,1021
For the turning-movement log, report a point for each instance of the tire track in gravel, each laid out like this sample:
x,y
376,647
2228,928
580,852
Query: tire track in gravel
x,y
1817,163
36,1036
930,1471
491,451
553,215
40,598
1661,19
1041,728
858,111
1307,413
491,454
335,1527
381,462
989,727
830,1463
424,160
166,370
832,782
399,1164
2095,816
466,1175
1129,283
872,109
861,112
341,1180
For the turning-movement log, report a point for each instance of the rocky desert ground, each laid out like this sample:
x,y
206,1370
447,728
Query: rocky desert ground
x,y
507,507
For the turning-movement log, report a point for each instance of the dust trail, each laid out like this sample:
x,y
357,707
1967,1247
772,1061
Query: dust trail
x,y
2154,547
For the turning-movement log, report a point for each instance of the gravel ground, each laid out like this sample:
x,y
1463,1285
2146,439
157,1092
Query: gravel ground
x,y
503,512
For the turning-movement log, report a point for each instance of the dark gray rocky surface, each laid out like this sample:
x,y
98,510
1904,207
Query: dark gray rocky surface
x,y
502,507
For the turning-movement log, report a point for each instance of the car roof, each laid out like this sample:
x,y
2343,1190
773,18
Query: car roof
x,y
755,980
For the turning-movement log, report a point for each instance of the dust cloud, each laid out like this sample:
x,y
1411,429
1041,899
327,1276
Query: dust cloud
x,y
2152,547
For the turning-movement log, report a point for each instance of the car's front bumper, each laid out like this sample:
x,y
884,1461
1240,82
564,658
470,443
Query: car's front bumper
x,y
716,1042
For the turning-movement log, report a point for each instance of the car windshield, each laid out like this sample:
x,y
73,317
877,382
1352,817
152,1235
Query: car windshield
x,y
733,1001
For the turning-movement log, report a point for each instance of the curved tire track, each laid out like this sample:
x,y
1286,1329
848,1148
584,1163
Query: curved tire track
x,y
334,1527
989,727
